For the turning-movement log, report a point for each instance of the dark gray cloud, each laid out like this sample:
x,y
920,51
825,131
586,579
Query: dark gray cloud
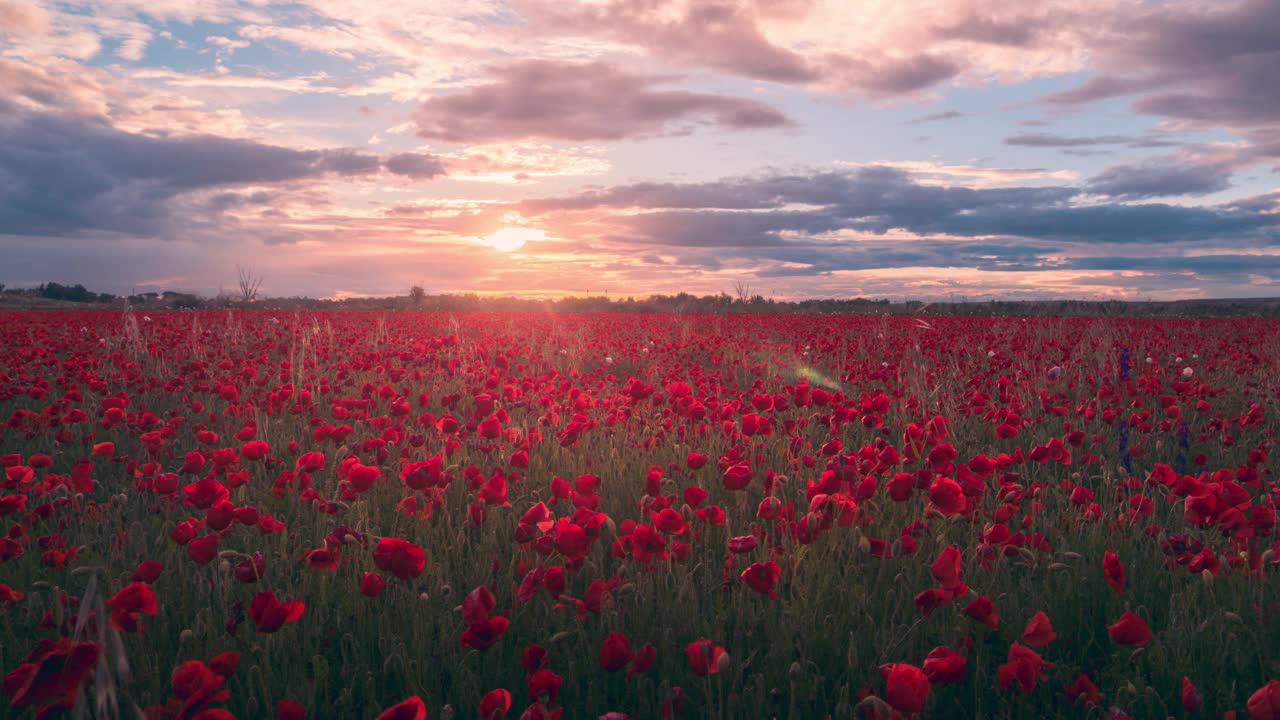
x,y
702,229
1214,64
890,76
553,100
415,165
939,116
1057,141
62,174
1268,202
1198,264
775,211
800,260
1165,178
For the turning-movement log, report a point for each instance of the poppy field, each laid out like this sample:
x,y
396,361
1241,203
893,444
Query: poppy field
x,y
401,515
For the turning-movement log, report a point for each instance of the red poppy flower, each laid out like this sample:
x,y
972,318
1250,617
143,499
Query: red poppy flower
x,y
906,688
704,657
642,659
287,709
371,584
321,559
362,477
192,463
1264,703
125,606
944,665
477,605
490,428
399,557
538,711
762,577
532,658
946,568
310,462
51,671
494,491
669,521
947,496
197,685
1190,696
269,614
929,600
147,571
1022,668
254,450
543,685
495,704
1130,629
483,634
225,663
737,476
1083,689
1113,571
203,549
411,709
615,652
1039,631
9,596
251,569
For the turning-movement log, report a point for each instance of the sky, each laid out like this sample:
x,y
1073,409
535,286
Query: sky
x,y
902,149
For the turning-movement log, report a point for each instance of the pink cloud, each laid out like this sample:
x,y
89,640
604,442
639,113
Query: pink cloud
x,y
19,17
554,100
711,34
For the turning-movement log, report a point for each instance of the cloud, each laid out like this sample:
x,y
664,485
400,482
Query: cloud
x,y
415,165
729,37
1210,64
1057,141
716,35
882,75
61,174
939,117
19,17
879,49
866,202
553,100
988,29
1164,178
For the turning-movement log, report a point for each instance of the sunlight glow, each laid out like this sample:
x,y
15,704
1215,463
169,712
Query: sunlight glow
x,y
510,239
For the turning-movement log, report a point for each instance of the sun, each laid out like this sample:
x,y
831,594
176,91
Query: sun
x,y
510,239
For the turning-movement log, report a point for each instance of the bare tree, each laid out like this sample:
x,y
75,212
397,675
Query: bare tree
x,y
416,295
742,291
248,283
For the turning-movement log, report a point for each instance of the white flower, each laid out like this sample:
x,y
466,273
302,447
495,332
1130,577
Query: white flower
x,y
1187,372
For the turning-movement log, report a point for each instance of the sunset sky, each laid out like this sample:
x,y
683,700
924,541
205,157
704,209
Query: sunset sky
x,y
902,149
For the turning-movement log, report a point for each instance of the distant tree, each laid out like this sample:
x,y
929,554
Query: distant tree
x,y
248,283
742,291
416,295
71,293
